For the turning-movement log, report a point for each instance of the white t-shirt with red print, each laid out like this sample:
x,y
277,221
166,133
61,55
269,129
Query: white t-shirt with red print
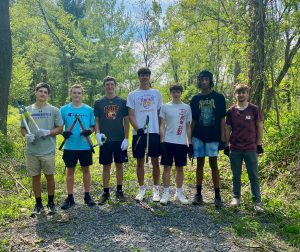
x,y
145,102
176,117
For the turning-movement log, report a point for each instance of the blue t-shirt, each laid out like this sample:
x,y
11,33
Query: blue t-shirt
x,y
68,114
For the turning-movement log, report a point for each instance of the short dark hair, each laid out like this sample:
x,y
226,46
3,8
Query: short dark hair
x,y
176,87
241,88
42,85
207,74
109,78
144,70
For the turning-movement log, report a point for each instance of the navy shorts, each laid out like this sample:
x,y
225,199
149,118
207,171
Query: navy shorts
x,y
154,143
112,151
71,158
176,152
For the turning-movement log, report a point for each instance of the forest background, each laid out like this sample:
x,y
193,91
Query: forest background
x,y
64,42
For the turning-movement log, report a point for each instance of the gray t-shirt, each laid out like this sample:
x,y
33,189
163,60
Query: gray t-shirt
x,y
176,117
47,117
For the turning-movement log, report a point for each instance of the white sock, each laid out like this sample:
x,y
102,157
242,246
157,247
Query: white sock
x,y
179,190
155,187
166,190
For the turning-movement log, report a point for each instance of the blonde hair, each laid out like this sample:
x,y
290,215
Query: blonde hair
x,y
76,86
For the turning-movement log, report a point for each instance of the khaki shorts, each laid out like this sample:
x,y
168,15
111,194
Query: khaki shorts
x,y
35,165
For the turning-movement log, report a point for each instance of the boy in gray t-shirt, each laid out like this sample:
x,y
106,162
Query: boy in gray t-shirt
x,y
40,145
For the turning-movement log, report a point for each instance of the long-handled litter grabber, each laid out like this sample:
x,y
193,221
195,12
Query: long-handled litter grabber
x,y
70,130
26,114
147,143
87,137
23,119
144,127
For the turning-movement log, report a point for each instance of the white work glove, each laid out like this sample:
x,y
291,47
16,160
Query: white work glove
x,y
101,138
29,138
124,145
42,132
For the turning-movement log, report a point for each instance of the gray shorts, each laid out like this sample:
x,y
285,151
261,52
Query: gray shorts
x,y
35,164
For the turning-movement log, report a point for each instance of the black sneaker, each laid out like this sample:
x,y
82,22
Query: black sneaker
x,y
218,201
120,196
89,201
38,209
198,200
51,208
67,204
104,198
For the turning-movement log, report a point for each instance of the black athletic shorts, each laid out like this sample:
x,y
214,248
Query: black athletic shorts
x,y
177,152
112,151
71,157
154,143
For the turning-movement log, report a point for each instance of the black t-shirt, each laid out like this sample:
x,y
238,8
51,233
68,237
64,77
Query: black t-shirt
x,y
207,111
111,113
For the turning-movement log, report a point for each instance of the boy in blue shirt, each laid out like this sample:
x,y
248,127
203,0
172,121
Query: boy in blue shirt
x,y
76,146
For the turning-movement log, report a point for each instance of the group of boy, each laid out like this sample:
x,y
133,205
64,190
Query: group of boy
x,y
173,131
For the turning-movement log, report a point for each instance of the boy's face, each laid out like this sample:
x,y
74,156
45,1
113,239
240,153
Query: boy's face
x,y
242,95
176,94
144,78
42,94
76,94
204,83
110,87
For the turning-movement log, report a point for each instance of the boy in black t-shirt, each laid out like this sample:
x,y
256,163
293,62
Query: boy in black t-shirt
x,y
208,132
111,119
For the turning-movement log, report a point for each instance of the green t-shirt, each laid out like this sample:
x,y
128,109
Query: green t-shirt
x,y
47,117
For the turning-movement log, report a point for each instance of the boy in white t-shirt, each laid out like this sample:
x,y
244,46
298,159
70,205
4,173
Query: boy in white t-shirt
x,y
142,102
175,130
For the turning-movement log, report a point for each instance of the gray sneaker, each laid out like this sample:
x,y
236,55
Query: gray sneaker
x,y
258,207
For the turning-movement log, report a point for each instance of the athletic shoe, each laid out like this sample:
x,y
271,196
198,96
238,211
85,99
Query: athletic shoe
x,y
258,207
51,208
165,198
235,202
104,198
120,196
218,202
181,198
155,197
67,203
141,194
89,201
198,200
38,209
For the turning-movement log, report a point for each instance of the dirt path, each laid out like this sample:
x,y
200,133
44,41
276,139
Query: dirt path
x,y
128,226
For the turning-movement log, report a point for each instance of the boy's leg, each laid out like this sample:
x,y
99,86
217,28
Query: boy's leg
x,y
106,175
166,176
156,170
179,176
236,162
140,172
86,178
119,173
252,170
36,186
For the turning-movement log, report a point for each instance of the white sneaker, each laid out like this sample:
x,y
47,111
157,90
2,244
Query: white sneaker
x,y
258,207
156,197
141,194
235,202
181,198
165,198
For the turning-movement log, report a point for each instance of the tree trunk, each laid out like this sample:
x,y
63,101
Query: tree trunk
x,y
5,62
257,55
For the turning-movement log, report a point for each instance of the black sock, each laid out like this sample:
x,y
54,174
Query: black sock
x,y
199,189
50,199
217,192
106,190
38,201
71,197
119,187
87,194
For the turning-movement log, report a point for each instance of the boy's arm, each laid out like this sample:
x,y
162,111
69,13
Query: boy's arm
x,y
227,133
189,132
223,130
126,126
260,132
132,119
162,129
